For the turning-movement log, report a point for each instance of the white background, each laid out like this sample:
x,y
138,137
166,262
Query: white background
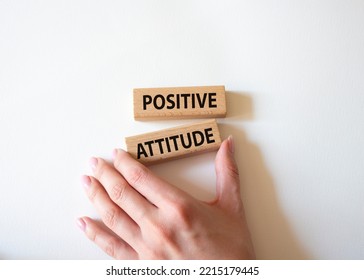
x,y
294,73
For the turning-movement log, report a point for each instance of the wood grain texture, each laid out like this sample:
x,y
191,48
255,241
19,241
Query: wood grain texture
x,y
179,102
176,142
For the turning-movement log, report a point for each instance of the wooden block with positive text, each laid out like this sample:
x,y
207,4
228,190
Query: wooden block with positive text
x,y
176,142
179,102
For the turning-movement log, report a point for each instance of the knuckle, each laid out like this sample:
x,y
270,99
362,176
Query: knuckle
x,y
137,175
109,218
166,235
233,170
118,192
180,213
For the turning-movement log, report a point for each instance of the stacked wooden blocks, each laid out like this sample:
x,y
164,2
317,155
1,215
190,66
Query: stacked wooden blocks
x,y
177,103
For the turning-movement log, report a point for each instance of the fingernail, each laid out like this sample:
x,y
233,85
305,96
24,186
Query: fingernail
x,y
93,163
81,224
231,144
86,181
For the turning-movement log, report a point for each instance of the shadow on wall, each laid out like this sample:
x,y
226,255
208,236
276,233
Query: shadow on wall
x,y
272,235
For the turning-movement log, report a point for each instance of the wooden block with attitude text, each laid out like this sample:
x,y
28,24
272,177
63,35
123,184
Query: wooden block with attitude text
x,y
174,142
179,102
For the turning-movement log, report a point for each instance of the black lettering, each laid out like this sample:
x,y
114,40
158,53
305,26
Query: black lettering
x,y
159,141
184,96
203,101
149,144
147,99
141,151
198,142
178,103
170,101
155,101
167,144
174,138
183,100
211,100
183,141
209,134
115,271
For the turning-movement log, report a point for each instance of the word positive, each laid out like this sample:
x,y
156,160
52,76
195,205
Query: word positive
x,y
179,102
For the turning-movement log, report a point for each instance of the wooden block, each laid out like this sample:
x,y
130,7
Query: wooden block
x,y
174,142
179,102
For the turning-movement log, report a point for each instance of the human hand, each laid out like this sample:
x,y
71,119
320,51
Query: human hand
x,y
145,217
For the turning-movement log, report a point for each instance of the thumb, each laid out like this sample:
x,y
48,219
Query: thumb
x,y
227,177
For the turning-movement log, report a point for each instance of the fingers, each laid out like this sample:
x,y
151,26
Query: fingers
x,y
118,189
227,176
144,181
113,217
107,241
